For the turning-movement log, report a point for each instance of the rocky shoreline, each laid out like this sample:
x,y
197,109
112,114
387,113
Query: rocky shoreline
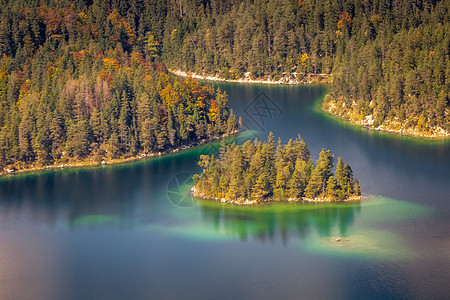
x,y
286,79
245,202
394,126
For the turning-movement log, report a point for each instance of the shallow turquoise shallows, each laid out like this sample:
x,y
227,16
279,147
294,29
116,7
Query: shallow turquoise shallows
x,y
133,231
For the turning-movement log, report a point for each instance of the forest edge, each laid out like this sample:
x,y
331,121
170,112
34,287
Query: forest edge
x,y
328,105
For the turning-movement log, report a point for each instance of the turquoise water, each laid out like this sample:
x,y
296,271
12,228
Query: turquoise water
x,y
133,231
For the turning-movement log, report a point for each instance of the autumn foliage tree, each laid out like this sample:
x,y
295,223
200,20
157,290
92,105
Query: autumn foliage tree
x,y
83,81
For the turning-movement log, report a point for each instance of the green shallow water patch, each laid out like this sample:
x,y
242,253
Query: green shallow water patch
x,y
314,226
279,220
382,210
363,244
209,219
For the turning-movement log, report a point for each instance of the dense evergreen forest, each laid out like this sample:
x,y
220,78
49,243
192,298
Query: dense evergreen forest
x,y
88,78
82,81
256,172
389,59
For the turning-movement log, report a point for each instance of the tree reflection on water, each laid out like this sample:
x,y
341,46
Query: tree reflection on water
x,y
284,220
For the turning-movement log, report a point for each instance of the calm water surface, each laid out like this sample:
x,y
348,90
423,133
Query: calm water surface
x,y
133,232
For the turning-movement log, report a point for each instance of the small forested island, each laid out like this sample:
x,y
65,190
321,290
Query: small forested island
x,y
258,172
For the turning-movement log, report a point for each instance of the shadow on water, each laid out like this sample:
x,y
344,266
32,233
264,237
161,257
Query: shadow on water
x,y
71,197
365,229
273,221
115,196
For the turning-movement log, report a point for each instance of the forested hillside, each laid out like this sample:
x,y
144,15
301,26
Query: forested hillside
x,y
82,81
88,78
389,59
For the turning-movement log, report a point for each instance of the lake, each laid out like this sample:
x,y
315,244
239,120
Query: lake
x,y
132,231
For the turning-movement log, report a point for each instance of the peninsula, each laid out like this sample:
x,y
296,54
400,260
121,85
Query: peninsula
x,y
258,172
386,63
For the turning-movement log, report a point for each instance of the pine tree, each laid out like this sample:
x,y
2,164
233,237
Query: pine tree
x,y
260,189
113,146
299,179
78,139
315,184
325,166
233,189
357,191
340,172
162,138
232,124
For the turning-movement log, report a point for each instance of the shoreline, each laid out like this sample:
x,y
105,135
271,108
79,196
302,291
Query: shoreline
x,y
404,132
286,79
88,163
392,127
196,194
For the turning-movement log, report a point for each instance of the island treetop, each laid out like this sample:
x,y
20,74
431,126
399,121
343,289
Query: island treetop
x,y
257,172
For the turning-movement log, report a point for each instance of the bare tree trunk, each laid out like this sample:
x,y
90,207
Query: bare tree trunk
x,y
180,4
